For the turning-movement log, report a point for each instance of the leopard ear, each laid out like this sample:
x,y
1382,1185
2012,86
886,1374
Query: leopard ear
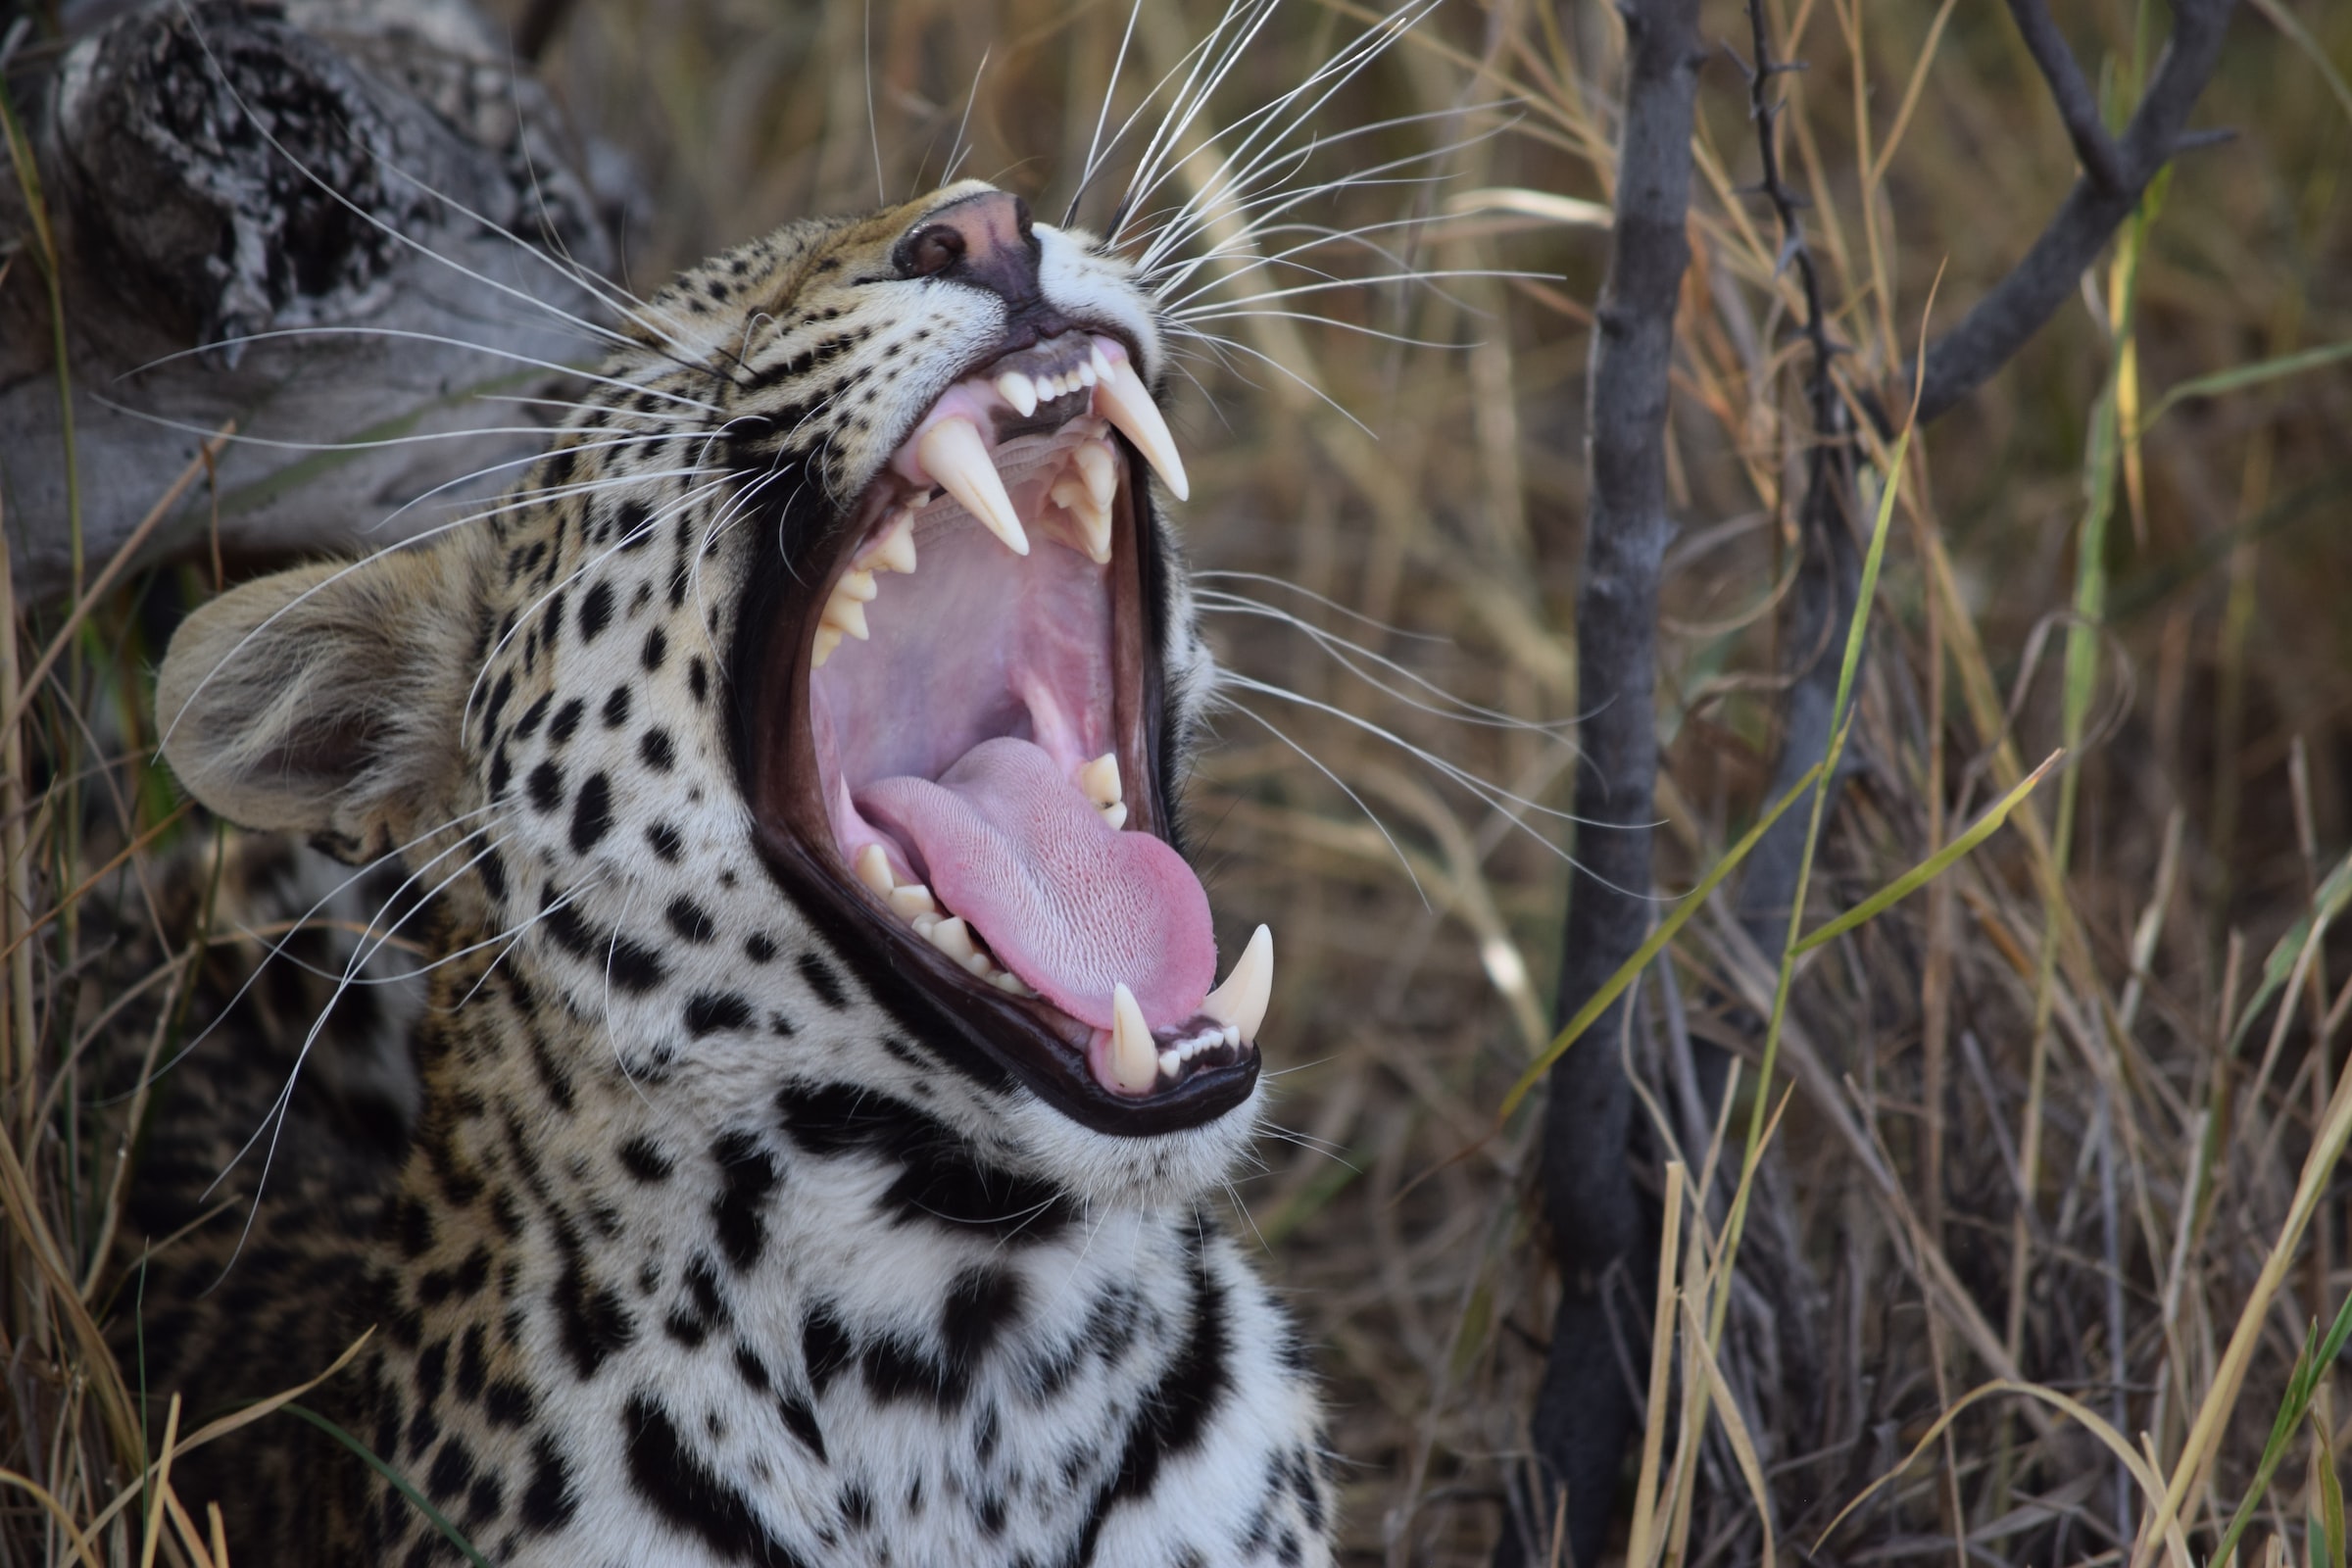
x,y
327,700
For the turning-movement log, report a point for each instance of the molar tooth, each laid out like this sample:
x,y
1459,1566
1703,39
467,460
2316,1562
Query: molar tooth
x,y
858,585
874,870
1134,1057
1093,518
1011,984
911,899
1116,813
1121,397
1100,779
982,966
953,454
1019,391
894,549
954,939
847,614
1240,1002
828,638
924,925
1099,469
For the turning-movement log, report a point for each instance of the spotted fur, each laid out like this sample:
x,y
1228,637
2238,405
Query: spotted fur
x,y
700,1246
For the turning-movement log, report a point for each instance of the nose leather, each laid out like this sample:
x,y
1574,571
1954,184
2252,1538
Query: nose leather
x,y
994,248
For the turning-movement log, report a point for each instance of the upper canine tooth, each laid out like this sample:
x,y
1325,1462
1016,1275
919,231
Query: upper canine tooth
x,y
1100,779
1019,391
1240,1002
954,938
1123,401
893,550
874,870
847,614
1134,1055
953,454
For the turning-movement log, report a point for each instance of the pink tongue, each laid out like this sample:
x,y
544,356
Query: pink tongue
x,y
1064,901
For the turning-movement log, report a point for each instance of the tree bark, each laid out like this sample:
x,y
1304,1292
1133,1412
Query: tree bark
x,y
1585,1409
309,201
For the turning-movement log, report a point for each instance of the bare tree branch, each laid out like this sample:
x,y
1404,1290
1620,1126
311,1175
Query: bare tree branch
x,y
2015,308
1585,1410
2076,105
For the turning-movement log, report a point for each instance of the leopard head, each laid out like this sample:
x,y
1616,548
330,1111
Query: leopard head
x,y
813,712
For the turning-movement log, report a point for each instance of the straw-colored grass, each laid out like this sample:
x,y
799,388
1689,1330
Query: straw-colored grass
x,y
2049,1198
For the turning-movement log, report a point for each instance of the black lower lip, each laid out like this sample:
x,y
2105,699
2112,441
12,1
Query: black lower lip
x,y
991,1039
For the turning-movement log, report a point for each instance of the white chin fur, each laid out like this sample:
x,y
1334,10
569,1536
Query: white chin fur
x,y
1155,1172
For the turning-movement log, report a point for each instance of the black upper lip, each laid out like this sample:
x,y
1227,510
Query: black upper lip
x,y
990,1036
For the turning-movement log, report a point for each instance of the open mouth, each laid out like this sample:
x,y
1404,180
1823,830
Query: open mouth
x,y
966,772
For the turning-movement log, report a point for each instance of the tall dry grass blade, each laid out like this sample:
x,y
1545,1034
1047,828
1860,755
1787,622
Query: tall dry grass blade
x,y
1643,1529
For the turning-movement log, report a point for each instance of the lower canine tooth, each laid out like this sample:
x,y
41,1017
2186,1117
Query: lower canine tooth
x,y
1100,779
874,870
954,939
1134,1057
953,454
1240,1002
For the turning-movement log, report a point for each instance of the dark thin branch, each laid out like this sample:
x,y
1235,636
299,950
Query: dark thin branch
x,y
2076,105
2014,310
1829,567
1584,1412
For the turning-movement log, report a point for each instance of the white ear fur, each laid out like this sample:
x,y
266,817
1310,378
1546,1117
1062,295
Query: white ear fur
x,y
327,700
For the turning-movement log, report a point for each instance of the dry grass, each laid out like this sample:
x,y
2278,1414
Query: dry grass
x,y
2068,1117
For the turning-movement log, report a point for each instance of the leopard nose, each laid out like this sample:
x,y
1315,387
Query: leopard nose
x,y
986,241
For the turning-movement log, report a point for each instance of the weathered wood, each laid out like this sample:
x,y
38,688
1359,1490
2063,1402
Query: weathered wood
x,y
312,198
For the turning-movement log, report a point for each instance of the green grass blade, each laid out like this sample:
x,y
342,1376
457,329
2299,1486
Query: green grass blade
x,y
2311,1369
2240,376
1929,869
1665,933
2325,906
400,1481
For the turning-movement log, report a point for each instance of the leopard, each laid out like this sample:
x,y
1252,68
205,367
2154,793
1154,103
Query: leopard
x,y
763,1077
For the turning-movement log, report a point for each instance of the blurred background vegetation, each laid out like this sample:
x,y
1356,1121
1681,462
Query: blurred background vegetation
x,y
1389,528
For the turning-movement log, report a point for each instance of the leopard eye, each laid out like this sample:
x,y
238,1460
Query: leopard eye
x,y
931,249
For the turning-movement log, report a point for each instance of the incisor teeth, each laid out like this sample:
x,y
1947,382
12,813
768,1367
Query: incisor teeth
x,y
1240,1002
1121,397
911,899
1134,1057
828,638
954,939
1019,391
874,870
847,614
953,454
1100,779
